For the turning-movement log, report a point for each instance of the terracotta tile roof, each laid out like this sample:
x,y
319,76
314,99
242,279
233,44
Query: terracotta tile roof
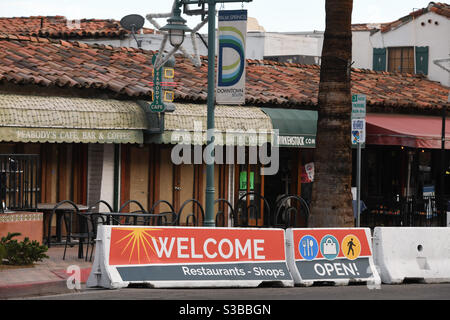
x,y
367,26
60,27
439,8
128,72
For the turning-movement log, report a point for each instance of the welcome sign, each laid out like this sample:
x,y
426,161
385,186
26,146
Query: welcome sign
x,y
230,87
165,257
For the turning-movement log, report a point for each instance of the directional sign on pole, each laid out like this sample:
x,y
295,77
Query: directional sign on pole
x,y
358,131
358,138
358,119
358,106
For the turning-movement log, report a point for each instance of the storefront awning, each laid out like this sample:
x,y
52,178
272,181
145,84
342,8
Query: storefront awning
x,y
27,118
233,126
297,128
406,130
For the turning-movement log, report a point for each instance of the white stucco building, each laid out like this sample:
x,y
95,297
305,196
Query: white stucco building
x,y
410,44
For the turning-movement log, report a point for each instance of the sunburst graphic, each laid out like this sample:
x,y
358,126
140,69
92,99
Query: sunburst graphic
x,y
138,241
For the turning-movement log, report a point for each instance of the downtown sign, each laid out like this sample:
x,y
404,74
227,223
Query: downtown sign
x,y
230,88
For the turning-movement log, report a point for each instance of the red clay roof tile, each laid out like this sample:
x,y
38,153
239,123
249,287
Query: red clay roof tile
x,y
60,27
442,9
129,73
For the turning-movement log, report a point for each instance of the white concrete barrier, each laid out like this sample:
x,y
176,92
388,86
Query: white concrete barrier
x,y
412,253
170,257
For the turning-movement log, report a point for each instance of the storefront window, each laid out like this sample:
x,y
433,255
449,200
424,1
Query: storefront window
x,y
426,183
251,207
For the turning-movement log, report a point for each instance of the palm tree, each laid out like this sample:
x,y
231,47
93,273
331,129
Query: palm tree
x,y
331,200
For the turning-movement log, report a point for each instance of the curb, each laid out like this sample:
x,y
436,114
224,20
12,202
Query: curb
x,y
23,290
42,288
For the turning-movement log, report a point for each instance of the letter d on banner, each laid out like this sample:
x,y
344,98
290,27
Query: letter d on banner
x,y
231,67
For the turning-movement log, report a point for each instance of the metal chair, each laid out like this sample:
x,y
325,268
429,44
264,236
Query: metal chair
x,y
246,214
220,215
191,216
161,218
83,233
287,214
141,210
96,218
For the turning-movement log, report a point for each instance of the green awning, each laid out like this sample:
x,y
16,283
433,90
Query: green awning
x,y
66,135
40,119
297,128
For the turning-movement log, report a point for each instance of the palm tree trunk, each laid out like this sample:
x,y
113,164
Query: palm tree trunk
x,y
331,200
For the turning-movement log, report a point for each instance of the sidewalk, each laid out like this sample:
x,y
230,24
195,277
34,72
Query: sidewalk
x,y
44,278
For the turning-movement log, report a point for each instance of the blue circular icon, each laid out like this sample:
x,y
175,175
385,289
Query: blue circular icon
x,y
329,246
308,247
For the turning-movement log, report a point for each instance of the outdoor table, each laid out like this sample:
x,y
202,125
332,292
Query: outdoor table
x,y
47,208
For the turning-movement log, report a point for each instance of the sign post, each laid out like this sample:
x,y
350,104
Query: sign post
x,y
358,138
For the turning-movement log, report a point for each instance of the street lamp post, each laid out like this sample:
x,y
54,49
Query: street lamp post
x,y
210,190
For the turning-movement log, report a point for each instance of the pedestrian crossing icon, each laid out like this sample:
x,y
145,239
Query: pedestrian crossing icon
x,y
351,247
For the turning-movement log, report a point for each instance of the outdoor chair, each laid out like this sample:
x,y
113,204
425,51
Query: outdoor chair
x,y
223,204
135,219
192,216
165,218
95,218
77,227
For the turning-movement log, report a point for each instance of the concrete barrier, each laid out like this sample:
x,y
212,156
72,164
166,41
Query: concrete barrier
x,y
338,256
412,253
170,257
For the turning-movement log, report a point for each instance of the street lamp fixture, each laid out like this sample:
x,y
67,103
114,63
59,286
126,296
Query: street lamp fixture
x,y
176,27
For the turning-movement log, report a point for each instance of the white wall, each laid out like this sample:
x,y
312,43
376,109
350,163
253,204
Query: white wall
x,y
107,185
259,44
255,45
279,44
436,37
150,42
362,50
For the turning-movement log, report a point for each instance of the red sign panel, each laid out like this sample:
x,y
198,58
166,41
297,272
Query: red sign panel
x,y
156,245
330,244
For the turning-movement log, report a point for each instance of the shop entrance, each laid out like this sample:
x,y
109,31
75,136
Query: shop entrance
x,y
281,183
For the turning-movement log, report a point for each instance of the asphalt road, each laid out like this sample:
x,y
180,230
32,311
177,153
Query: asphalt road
x,y
353,292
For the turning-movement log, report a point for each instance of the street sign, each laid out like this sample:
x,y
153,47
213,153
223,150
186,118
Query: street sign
x,y
358,131
358,119
358,106
358,136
